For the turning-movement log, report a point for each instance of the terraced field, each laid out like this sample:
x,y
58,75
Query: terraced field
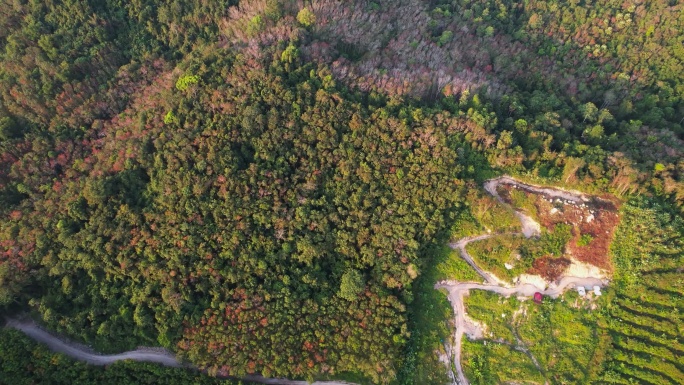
x,y
645,319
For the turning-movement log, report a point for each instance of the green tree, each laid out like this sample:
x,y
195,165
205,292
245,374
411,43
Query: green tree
x,y
8,128
306,18
351,285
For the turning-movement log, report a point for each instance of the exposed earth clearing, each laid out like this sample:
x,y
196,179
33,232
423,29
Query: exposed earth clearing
x,y
527,285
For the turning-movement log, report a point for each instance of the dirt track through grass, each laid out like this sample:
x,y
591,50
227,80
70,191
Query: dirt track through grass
x,y
529,229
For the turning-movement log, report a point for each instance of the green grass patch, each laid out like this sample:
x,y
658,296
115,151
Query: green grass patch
x,y
491,254
492,363
431,318
584,240
484,214
450,265
495,311
563,335
523,202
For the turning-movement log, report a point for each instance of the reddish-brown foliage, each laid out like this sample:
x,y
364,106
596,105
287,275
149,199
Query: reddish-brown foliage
x,y
550,268
595,219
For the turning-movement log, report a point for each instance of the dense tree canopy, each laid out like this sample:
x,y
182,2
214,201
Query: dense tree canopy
x,y
234,216
260,186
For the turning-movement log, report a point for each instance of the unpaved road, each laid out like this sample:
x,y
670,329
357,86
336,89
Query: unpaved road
x,y
160,356
82,353
457,289
461,247
530,228
550,192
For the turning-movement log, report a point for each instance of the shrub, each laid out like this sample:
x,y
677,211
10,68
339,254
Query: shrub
x,y
186,81
306,18
255,25
289,54
352,285
445,38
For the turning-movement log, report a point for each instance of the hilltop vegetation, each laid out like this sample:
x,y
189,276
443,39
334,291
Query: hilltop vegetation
x,y
235,214
263,186
585,92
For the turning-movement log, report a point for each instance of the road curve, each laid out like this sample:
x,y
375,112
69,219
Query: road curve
x,y
461,244
530,227
155,355
457,290
81,353
551,192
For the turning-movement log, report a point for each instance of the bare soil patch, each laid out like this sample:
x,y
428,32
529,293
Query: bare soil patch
x,y
592,219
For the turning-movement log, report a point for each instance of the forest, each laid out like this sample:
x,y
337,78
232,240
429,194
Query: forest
x,y
266,187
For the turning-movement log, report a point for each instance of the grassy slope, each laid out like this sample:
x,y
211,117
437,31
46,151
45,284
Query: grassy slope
x,y
629,335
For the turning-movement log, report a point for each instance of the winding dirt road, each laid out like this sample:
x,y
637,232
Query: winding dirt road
x,y
84,354
156,355
530,228
551,192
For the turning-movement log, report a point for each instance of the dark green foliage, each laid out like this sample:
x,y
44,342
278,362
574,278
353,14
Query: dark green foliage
x,y
430,317
9,129
255,215
351,285
176,173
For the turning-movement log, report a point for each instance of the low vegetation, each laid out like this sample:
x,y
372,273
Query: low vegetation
x,y
484,214
561,336
492,254
490,362
627,335
449,264
644,320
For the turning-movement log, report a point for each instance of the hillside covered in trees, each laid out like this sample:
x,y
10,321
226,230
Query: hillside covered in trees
x,y
263,186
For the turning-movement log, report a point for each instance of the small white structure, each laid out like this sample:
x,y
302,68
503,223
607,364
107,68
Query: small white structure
x,y
581,291
597,290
